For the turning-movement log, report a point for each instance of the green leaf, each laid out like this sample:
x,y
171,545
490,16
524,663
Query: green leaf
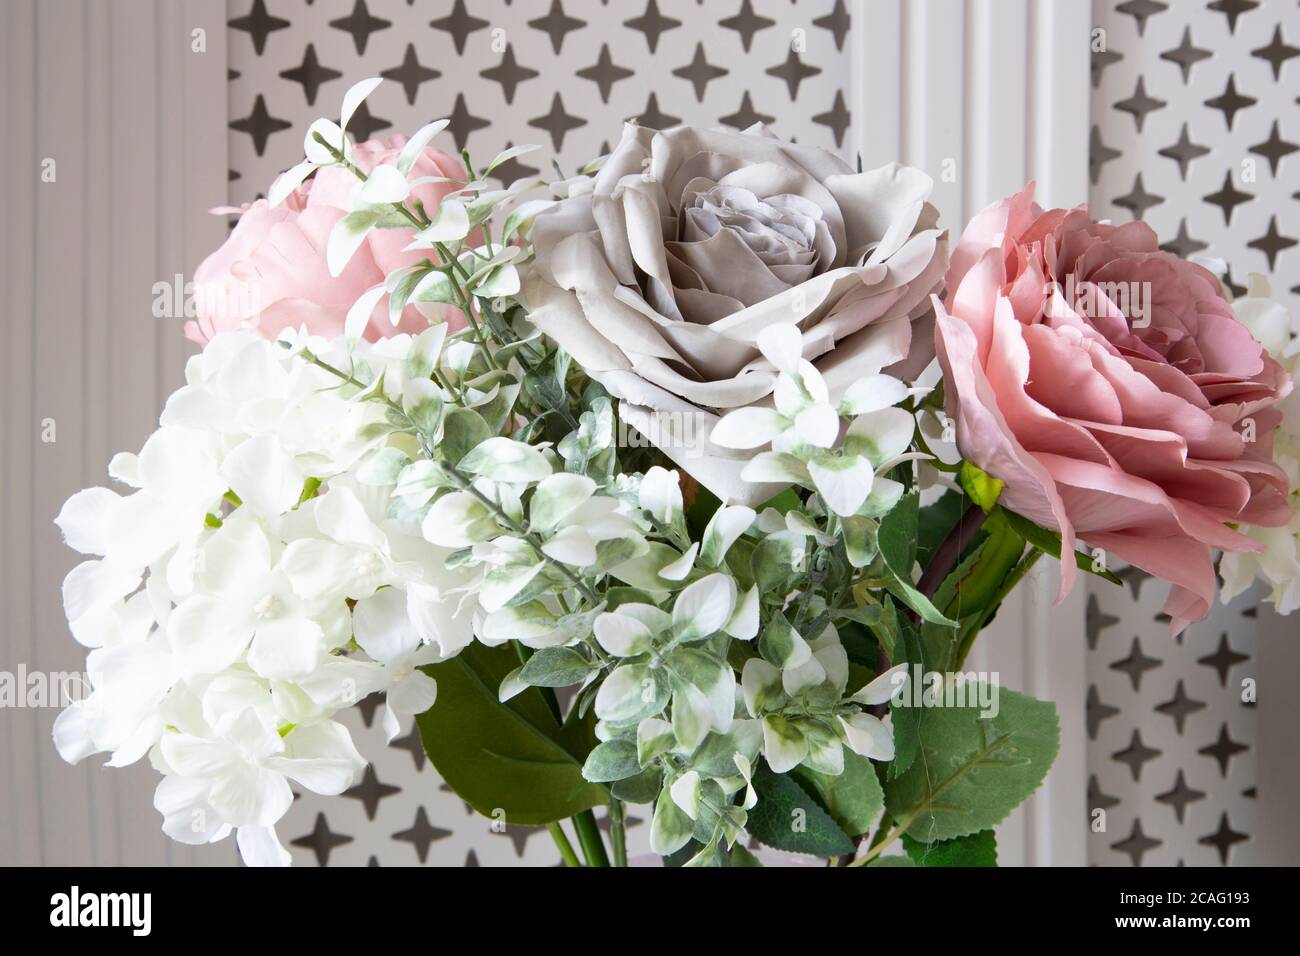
x,y
853,798
1049,542
935,521
918,602
742,857
383,467
772,563
513,757
788,818
555,667
897,535
982,487
897,540
859,540
612,760
972,771
906,720
462,432
890,861
641,788
978,849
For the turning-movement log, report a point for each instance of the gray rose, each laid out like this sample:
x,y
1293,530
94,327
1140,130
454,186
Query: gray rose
x,y
689,242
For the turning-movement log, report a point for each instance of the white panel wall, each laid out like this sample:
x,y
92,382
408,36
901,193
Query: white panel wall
x,y
134,121
986,95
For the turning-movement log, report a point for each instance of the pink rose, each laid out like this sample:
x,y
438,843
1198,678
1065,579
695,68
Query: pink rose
x,y
1111,387
271,274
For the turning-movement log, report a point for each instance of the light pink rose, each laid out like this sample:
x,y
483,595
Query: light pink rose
x,y
1111,387
270,274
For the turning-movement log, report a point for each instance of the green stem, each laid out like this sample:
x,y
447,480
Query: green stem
x,y
618,832
1015,577
593,847
562,841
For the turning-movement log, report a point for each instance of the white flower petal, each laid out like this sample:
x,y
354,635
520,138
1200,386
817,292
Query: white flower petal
x,y
868,736
259,846
748,428
264,476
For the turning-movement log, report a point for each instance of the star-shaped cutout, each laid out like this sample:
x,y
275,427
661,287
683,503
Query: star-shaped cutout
x,y
1186,54
518,835
1231,102
1097,800
1184,151
837,118
410,73
1136,844
364,125
1140,104
652,117
794,71
368,705
1277,52
1134,578
1100,60
360,24
459,24
838,22
1095,620
1138,201
746,23
557,25
1272,243
652,24
1223,839
746,116
1096,711
370,791
1236,288
1183,245
557,122
413,745
258,24
322,840
311,74
1136,754
1099,154
1274,149
1232,9
1223,749
1228,198
1136,664
1180,707
509,73
471,859
1223,659
1141,10
700,72
421,835
461,122
259,124
1180,796
604,73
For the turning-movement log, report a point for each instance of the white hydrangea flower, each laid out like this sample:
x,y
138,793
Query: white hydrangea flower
x,y
250,533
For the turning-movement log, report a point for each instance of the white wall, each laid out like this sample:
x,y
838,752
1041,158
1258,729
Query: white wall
x,y
134,122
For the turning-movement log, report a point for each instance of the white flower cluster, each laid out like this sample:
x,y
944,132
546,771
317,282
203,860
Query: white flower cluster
x,y
1279,563
229,586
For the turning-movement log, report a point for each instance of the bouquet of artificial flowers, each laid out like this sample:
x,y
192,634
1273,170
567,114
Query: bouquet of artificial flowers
x,y
624,489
